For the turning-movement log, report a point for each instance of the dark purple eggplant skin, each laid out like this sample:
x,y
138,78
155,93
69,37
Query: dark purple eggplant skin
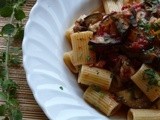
x,y
93,18
105,19
79,28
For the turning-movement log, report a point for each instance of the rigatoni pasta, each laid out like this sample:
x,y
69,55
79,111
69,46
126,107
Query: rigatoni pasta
x,y
95,76
67,57
110,5
143,114
102,100
141,80
81,54
117,57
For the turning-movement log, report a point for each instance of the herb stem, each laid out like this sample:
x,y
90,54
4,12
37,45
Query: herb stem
x,y
7,49
7,58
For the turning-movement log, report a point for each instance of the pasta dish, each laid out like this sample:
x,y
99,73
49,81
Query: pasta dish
x,y
116,56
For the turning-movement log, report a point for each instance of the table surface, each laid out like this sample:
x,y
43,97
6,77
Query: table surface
x,y
28,105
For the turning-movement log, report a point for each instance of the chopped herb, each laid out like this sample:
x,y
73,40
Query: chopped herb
x,y
156,26
102,94
147,27
88,58
143,25
152,77
96,88
61,87
96,106
97,72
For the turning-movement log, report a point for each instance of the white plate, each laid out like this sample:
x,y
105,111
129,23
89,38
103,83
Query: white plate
x,y
43,47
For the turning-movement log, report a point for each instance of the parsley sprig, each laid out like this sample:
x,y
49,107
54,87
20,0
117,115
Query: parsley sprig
x,y
12,31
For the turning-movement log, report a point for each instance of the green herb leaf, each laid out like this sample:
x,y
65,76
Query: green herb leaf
x,y
96,88
6,11
1,81
15,30
8,29
88,58
10,86
21,2
3,96
16,114
2,3
151,76
2,72
19,34
13,102
19,14
15,61
2,110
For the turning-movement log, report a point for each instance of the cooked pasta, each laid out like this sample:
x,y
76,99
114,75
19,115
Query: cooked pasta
x,y
81,54
96,76
110,5
102,100
151,91
117,49
143,114
67,57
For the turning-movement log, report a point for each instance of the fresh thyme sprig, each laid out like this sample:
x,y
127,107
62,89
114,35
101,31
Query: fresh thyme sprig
x,y
13,30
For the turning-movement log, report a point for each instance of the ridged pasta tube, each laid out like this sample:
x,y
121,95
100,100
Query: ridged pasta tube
x,y
96,76
101,100
151,91
143,114
111,5
81,53
67,57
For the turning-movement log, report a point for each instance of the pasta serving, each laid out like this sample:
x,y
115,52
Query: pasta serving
x,y
116,55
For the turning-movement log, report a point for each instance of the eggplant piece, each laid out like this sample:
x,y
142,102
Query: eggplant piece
x,y
133,18
107,18
141,15
93,18
133,98
105,41
121,23
79,28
